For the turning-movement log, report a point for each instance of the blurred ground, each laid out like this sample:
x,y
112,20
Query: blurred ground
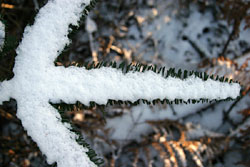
x,y
182,34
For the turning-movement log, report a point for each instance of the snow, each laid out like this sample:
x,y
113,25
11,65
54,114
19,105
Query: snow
x,y
212,120
232,158
2,35
132,125
168,29
196,132
37,82
170,36
33,69
113,84
244,126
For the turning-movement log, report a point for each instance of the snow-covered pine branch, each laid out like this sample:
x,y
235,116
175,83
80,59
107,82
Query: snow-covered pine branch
x,y
99,85
37,82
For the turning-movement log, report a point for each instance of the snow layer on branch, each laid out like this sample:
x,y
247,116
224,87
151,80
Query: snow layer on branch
x,y
37,81
99,85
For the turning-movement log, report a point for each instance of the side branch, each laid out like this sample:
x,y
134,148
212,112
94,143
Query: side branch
x,y
100,85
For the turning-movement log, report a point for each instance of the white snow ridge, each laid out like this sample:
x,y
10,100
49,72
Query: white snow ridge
x,y
37,81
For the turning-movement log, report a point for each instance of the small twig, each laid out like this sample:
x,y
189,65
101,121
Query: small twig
x,y
199,112
230,37
201,53
226,113
91,28
93,51
222,54
135,123
173,110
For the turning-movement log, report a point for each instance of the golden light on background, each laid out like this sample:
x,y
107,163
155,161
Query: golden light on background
x,y
8,6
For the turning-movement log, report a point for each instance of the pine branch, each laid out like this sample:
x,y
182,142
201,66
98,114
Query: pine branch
x,y
142,68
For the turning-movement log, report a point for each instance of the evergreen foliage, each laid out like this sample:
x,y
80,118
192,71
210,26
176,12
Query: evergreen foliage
x,y
11,44
172,72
